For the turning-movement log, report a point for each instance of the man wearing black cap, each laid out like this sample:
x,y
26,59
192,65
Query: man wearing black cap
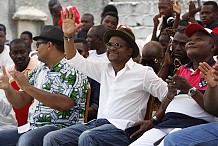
x,y
56,89
124,92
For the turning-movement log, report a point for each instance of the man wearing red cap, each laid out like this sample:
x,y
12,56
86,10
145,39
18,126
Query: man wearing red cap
x,y
185,108
205,134
124,92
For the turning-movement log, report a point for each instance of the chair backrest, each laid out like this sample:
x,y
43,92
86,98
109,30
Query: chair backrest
x,y
88,96
150,108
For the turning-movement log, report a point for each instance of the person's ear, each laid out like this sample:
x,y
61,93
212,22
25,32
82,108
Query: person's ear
x,y
214,47
49,44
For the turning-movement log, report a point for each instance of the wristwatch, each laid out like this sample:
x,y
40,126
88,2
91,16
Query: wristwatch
x,y
192,91
155,120
68,38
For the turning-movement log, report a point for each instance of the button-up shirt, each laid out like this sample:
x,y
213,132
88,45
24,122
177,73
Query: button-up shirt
x,y
123,97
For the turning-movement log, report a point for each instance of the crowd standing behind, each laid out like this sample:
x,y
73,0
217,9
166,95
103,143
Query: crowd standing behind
x,y
43,90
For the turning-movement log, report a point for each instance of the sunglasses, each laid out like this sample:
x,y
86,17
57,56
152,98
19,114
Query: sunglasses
x,y
39,43
115,45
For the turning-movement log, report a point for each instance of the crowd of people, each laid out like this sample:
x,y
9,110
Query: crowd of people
x,y
44,91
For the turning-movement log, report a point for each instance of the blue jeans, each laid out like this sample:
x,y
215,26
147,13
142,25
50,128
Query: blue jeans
x,y
95,133
11,137
201,135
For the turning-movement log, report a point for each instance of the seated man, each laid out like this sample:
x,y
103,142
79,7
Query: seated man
x,y
205,134
152,55
175,55
57,90
124,92
185,109
19,53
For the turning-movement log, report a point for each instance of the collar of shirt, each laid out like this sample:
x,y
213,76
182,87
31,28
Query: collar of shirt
x,y
128,64
211,62
57,67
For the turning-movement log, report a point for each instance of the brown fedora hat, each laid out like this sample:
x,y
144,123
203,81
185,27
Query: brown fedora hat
x,y
125,33
51,33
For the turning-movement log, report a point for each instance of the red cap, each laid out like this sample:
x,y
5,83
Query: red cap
x,y
191,28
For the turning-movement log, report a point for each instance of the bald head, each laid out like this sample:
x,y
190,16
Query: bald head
x,y
152,55
152,49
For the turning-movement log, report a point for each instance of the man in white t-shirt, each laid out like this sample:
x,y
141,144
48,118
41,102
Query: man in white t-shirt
x,y
5,59
97,47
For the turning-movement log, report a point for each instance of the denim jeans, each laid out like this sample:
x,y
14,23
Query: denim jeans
x,y
11,137
95,133
201,135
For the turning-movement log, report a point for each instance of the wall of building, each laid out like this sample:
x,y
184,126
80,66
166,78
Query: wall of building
x,y
19,15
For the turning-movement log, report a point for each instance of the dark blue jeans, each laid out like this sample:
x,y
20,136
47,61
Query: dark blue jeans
x,y
201,135
11,137
95,133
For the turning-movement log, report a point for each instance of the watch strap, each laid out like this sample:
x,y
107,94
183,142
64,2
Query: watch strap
x,y
68,38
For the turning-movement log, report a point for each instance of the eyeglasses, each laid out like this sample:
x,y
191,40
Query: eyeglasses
x,y
39,43
115,45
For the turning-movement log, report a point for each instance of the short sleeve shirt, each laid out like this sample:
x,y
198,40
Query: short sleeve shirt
x,y
61,79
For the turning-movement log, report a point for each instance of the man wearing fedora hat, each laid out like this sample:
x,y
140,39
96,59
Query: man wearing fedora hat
x,y
57,90
124,92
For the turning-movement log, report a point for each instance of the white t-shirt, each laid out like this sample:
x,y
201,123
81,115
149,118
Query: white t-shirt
x,y
93,56
5,58
185,104
7,115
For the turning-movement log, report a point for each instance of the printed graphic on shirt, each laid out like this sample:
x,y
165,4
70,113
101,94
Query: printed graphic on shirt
x,y
65,80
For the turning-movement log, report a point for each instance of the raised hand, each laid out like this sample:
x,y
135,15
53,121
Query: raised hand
x,y
156,21
168,54
69,26
20,79
208,73
176,8
192,9
4,80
